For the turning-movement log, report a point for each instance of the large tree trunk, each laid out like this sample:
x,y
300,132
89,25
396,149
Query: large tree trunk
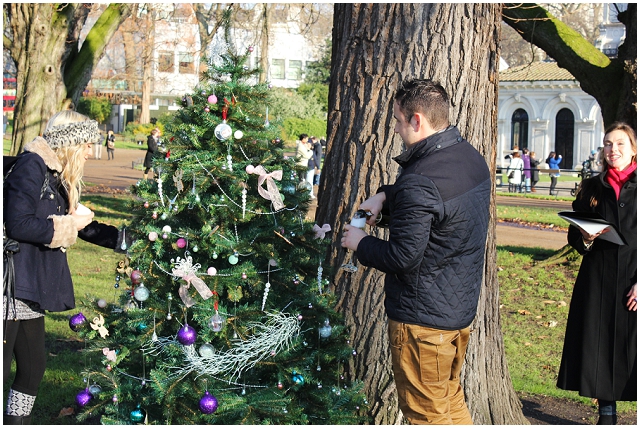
x,y
264,42
43,40
612,82
375,47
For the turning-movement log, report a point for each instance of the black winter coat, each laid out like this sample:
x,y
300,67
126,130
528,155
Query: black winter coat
x,y
152,147
599,358
439,216
42,273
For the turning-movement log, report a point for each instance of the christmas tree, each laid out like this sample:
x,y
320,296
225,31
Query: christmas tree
x,y
223,313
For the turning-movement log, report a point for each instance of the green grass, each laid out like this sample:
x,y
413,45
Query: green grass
x,y
122,142
547,216
532,314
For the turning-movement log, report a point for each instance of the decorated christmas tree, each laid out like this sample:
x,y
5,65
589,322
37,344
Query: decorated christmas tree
x,y
223,313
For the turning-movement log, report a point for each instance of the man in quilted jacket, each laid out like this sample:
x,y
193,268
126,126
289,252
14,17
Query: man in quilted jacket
x,y
434,256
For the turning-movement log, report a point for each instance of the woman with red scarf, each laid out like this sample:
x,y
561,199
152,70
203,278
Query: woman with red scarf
x,y
599,356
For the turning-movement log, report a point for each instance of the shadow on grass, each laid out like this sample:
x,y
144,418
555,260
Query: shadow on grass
x,y
536,253
118,206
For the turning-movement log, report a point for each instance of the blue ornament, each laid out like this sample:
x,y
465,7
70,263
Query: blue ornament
x,y
83,397
298,379
208,403
136,415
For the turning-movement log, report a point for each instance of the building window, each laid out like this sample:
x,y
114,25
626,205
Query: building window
x,y
186,63
294,72
166,62
520,129
277,69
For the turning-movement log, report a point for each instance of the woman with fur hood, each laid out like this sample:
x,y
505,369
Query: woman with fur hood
x,y
42,213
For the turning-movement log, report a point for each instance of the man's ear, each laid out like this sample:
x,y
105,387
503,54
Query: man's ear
x,y
416,121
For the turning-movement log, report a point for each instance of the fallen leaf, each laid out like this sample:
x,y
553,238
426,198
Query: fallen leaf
x,y
524,312
66,411
538,317
549,302
552,324
527,344
562,303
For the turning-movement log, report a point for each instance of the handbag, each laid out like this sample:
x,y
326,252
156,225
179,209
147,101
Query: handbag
x,y
511,174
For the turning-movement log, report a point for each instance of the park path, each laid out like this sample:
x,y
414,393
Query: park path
x,y
119,174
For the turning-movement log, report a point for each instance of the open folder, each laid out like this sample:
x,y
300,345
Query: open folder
x,y
593,223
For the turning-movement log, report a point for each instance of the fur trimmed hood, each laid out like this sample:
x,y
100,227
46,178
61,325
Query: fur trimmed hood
x,y
40,147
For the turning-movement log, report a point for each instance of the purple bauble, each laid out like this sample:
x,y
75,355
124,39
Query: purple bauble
x,y
187,335
83,397
77,321
208,403
181,242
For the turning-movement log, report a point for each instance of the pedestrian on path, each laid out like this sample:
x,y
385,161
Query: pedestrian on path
x,y
110,142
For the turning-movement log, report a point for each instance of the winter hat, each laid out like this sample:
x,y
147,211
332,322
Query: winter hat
x,y
71,134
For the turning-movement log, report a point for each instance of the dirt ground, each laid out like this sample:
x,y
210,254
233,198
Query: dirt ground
x,y
117,175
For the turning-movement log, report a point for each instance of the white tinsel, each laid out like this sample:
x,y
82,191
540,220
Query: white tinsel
x,y
272,337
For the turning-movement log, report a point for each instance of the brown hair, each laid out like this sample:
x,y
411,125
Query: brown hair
x,y
624,127
426,97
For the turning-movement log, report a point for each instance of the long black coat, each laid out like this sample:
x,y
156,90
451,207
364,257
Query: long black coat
x,y
599,358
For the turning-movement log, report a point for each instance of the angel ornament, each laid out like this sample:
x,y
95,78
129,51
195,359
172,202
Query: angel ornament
x,y
98,324
177,180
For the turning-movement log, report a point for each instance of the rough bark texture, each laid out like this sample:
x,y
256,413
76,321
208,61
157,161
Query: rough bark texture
x,y
375,46
51,73
613,83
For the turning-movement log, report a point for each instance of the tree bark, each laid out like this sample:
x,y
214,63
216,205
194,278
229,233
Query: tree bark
x,y
51,73
612,82
264,42
375,47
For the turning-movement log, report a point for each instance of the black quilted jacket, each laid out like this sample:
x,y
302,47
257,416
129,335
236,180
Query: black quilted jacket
x,y
439,210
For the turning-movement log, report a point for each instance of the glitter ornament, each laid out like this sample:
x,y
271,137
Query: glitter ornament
x,y
165,236
146,204
233,258
141,293
163,216
206,350
181,242
187,335
109,368
249,169
216,322
325,330
83,397
208,403
238,134
166,229
212,99
214,255
114,398
153,236
297,379
207,109
212,271
136,276
77,321
136,415
280,386
244,275
102,303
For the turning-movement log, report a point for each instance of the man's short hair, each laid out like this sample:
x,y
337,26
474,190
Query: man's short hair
x,y
426,97
302,137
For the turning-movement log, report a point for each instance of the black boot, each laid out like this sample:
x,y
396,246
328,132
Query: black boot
x,y
16,420
607,420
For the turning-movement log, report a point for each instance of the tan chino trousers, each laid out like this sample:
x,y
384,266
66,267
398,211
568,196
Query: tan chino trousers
x,y
426,366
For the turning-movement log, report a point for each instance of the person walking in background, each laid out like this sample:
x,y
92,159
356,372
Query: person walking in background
x,y
554,163
304,153
535,172
599,358
152,148
44,219
110,142
514,172
317,159
526,161
434,256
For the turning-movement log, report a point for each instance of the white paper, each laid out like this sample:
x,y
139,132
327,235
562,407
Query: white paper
x,y
593,226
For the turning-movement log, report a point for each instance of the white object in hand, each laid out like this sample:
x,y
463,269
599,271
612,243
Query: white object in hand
x,y
359,222
82,210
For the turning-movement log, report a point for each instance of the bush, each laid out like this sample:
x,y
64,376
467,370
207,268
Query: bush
x,y
134,128
293,127
96,108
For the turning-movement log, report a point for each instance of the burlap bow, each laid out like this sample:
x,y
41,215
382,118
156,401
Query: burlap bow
x,y
321,231
197,283
271,192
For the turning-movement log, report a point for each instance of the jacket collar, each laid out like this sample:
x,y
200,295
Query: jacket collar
x,y
40,147
423,148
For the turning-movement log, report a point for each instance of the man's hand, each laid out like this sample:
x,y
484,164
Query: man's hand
x,y
374,205
352,237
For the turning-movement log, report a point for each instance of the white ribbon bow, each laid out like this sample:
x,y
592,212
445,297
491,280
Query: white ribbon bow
x,y
271,192
186,271
321,231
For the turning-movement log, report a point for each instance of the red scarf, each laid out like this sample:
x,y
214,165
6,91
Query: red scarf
x,y
617,178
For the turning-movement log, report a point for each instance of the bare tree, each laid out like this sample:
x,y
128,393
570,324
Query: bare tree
x,y
612,82
375,47
211,17
52,68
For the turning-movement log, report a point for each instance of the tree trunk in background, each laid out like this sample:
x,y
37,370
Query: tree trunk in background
x,y
264,42
52,71
148,49
375,47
